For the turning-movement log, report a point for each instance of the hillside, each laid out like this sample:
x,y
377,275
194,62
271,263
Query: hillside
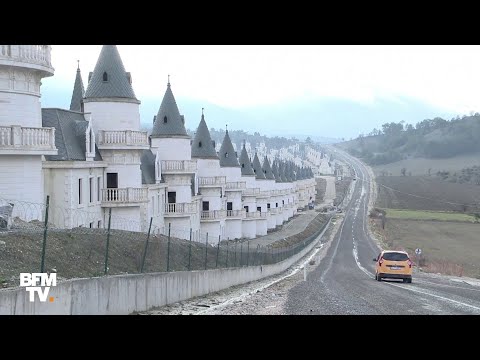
x,y
430,139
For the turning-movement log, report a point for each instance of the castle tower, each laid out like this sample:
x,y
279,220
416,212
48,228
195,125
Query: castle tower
x,y
111,105
23,140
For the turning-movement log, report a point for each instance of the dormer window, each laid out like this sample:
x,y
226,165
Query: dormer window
x,y
105,76
164,119
226,154
243,165
199,144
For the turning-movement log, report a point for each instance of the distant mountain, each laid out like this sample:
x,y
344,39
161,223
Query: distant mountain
x,y
324,120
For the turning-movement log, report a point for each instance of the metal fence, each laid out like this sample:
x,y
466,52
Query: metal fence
x,y
30,242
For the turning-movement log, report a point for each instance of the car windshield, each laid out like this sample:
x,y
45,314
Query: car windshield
x,y
395,256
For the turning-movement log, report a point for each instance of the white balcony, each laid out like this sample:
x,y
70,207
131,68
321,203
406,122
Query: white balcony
x,y
120,197
18,140
212,181
36,56
256,215
235,214
213,215
274,211
122,139
179,166
251,192
265,193
180,209
235,185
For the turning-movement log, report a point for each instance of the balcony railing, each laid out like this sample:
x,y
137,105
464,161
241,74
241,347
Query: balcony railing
x,y
236,185
37,54
124,195
212,181
180,208
255,215
274,211
213,214
15,137
113,138
178,166
235,213
251,192
265,193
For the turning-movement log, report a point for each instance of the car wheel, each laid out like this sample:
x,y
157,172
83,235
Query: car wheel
x,y
405,280
409,281
379,278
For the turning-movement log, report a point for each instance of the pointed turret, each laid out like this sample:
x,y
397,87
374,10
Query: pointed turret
x,y
228,157
78,92
267,170
202,146
257,168
281,171
109,78
245,163
169,122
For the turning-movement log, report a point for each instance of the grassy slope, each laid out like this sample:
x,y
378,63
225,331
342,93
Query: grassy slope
x,y
428,215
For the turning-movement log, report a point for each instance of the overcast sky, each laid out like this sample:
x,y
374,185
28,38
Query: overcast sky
x,y
240,76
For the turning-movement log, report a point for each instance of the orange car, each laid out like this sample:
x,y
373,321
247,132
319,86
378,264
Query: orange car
x,y
393,265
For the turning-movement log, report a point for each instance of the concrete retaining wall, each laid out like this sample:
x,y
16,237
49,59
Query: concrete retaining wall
x,y
124,294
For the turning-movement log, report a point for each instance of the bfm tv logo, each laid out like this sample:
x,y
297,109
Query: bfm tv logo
x,y
30,282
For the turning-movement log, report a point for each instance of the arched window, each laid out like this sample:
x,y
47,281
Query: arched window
x,y
199,144
164,119
226,154
105,76
243,165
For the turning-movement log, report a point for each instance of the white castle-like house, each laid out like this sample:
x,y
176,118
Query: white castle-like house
x,y
94,157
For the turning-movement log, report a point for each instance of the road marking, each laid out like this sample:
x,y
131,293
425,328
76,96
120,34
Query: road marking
x,y
437,296
334,253
447,285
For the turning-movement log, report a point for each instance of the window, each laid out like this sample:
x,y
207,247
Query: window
x,y
164,119
226,154
229,205
268,206
276,204
246,208
99,224
259,208
205,205
199,144
90,188
105,76
90,139
243,165
80,191
112,180
98,187
172,197
91,225
283,202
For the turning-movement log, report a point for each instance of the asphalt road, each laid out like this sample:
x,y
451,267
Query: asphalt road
x,y
343,283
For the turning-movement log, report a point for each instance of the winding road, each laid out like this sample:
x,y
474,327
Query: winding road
x,y
343,283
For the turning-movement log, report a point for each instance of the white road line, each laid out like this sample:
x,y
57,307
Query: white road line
x,y
447,285
437,296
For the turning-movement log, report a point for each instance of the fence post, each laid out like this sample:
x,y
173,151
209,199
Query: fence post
x,y
206,251
241,252
248,250
168,248
146,245
235,255
226,261
256,254
45,230
190,250
218,251
108,240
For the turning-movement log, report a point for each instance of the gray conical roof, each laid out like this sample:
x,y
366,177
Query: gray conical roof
x,y
245,163
227,155
202,146
275,171
288,174
109,78
257,168
169,121
267,170
78,93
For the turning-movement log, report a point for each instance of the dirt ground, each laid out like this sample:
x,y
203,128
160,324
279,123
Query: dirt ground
x,y
451,248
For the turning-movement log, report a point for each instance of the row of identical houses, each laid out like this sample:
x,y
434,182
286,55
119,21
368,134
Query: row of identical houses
x,y
94,157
